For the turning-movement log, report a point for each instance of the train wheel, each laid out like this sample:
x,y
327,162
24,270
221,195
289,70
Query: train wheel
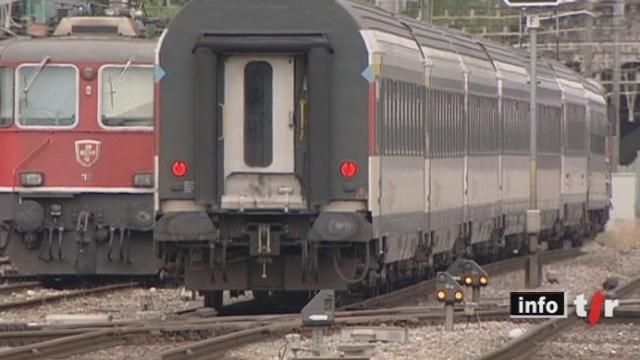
x,y
213,298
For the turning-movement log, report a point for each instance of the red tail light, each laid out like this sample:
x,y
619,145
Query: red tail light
x,y
179,168
349,169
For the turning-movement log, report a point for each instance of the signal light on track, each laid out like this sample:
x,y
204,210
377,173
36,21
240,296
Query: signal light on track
x,y
468,280
179,168
458,295
441,295
483,280
349,169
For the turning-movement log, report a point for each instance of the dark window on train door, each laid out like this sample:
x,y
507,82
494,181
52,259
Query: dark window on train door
x,y
258,114
6,96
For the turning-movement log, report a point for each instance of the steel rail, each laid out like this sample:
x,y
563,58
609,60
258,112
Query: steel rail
x,y
39,341
217,346
400,296
524,346
17,278
104,338
58,297
9,288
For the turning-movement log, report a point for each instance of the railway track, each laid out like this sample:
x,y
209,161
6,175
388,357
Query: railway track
x,y
525,346
61,342
59,297
228,332
43,343
13,278
400,296
9,288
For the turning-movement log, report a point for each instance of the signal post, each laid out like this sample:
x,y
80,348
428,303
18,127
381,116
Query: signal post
x,y
449,292
533,270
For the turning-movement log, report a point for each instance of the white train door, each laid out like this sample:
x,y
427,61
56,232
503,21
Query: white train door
x,y
258,131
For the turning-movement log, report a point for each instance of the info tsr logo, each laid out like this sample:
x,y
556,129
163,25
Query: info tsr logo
x,y
554,305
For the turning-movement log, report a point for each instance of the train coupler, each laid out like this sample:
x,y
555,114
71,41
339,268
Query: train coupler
x,y
264,245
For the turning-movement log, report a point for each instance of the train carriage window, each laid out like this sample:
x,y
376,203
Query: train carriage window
x,y
258,114
36,105
6,96
126,98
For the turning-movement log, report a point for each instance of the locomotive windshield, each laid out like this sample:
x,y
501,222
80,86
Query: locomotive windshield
x,y
6,96
127,96
47,96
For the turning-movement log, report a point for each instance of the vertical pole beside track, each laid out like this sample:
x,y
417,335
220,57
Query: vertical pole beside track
x,y
533,271
618,15
448,317
475,294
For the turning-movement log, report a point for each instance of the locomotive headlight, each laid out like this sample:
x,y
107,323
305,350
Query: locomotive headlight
x,y
143,180
31,179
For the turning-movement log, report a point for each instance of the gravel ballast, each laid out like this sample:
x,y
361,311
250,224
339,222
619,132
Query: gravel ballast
x,y
120,305
604,257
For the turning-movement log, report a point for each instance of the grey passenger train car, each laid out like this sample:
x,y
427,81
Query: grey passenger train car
x,y
329,144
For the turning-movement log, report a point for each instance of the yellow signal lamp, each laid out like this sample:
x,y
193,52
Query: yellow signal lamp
x,y
468,280
483,280
458,295
441,295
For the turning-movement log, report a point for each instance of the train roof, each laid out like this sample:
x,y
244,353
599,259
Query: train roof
x,y
81,48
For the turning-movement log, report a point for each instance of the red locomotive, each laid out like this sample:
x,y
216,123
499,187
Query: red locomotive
x,y
77,142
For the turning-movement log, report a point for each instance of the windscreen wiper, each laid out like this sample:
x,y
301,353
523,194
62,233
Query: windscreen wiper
x,y
112,88
34,76
124,70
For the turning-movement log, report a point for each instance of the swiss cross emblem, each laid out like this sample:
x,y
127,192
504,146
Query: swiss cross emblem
x,y
87,152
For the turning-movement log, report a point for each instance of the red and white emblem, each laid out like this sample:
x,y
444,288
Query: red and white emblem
x,y
87,152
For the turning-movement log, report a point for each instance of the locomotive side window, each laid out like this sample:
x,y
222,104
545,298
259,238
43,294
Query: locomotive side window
x,y
36,106
6,96
126,96
258,114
